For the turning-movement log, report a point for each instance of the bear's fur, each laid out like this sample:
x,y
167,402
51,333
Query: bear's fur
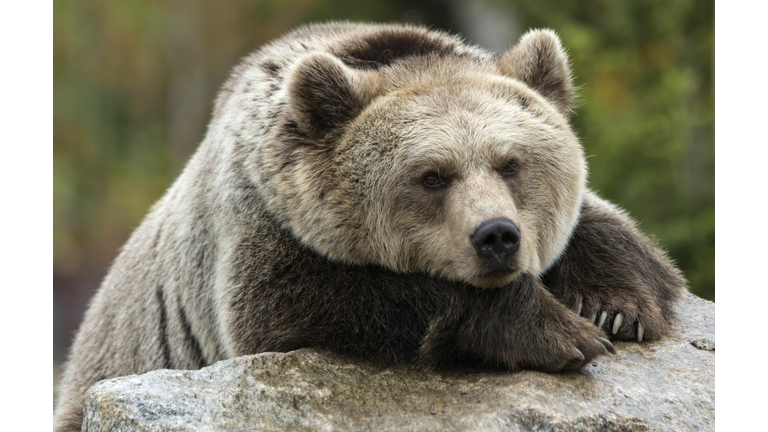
x,y
342,199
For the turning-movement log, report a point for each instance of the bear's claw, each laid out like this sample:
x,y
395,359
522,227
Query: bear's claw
x,y
617,323
585,354
608,346
603,316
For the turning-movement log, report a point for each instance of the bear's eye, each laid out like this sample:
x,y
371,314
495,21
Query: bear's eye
x,y
510,169
433,180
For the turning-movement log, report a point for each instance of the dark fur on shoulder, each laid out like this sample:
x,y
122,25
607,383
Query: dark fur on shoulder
x,y
609,270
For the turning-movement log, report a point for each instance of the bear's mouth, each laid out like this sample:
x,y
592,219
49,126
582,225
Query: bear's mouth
x,y
498,274
495,278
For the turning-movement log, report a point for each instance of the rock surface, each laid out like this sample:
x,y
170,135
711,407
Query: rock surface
x,y
665,385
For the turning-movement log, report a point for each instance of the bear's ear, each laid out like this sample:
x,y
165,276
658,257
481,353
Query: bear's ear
x,y
539,61
324,93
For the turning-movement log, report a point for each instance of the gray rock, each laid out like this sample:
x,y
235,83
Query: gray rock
x,y
665,385
704,344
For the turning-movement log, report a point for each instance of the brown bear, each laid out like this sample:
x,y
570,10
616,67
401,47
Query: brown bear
x,y
388,192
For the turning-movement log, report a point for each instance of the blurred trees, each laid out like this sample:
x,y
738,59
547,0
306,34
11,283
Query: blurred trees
x,y
134,83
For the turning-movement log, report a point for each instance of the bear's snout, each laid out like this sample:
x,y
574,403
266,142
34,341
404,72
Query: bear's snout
x,y
496,240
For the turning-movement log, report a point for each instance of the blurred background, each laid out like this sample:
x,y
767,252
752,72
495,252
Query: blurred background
x,y
134,84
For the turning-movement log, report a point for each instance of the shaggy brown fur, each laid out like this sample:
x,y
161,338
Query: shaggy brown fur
x,y
337,201
629,279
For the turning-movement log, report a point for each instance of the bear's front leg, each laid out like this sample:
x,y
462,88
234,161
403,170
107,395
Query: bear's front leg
x,y
519,326
615,277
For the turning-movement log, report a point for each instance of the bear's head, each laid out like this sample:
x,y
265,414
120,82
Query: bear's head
x,y
462,167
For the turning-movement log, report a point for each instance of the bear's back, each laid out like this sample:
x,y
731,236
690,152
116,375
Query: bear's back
x,y
362,46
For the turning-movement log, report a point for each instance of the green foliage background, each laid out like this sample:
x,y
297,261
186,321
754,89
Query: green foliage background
x,y
134,84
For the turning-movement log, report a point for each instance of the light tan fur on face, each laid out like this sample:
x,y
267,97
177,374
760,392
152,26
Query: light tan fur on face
x,y
467,130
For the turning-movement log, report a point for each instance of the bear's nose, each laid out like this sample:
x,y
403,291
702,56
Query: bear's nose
x,y
496,238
